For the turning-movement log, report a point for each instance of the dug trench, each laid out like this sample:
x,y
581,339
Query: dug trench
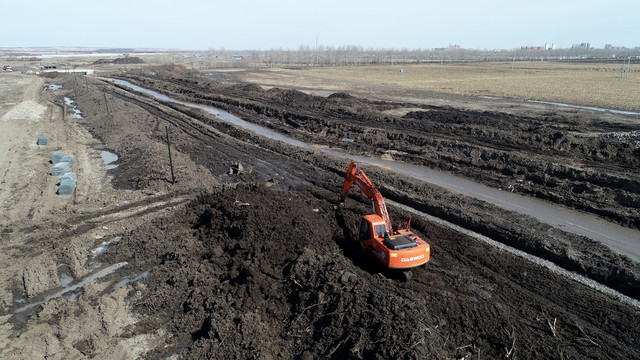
x,y
555,157
261,264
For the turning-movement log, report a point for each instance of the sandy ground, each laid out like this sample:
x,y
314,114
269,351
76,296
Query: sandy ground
x,y
43,244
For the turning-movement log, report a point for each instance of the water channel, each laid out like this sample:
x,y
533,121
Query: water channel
x,y
620,239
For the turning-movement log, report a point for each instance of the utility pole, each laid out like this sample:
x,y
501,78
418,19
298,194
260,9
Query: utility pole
x,y
105,101
626,68
173,178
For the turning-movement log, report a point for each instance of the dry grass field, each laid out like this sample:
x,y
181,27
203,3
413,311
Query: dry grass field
x,y
589,84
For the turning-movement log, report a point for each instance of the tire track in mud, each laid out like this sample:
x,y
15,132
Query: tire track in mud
x,y
230,143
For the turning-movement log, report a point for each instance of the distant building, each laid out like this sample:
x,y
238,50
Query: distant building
x,y
581,45
453,47
611,47
548,46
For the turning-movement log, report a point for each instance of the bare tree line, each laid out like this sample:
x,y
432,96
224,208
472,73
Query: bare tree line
x,y
308,56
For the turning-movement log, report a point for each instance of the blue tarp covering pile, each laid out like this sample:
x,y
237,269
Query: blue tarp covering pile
x,y
69,159
60,168
42,140
67,187
68,176
67,180
56,157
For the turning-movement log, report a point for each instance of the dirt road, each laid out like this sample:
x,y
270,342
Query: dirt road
x,y
260,263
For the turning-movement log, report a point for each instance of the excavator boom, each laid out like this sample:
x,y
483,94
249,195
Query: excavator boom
x,y
357,176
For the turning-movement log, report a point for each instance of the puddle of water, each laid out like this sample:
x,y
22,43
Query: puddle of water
x,y
104,246
77,113
108,158
19,300
621,112
65,279
130,279
613,111
73,297
620,239
100,274
222,115
52,87
176,351
348,140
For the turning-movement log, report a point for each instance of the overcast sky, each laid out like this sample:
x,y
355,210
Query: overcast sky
x,y
285,24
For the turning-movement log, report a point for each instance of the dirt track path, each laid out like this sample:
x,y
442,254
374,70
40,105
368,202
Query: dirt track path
x,y
47,239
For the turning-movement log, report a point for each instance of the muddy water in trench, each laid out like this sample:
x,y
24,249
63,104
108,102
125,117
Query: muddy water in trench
x,y
620,239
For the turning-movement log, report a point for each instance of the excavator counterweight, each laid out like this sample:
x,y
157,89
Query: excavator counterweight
x,y
400,249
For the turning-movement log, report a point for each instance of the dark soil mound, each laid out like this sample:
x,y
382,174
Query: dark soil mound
x,y
124,60
340,95
249,271
128,60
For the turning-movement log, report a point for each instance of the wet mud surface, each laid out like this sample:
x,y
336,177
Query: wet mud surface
x,y
582,162
512,138
253,271
258,261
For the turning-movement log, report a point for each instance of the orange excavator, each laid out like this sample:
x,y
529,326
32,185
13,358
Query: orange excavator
x,y
401,249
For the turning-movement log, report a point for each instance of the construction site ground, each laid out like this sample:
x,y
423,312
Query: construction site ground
x,y
258,260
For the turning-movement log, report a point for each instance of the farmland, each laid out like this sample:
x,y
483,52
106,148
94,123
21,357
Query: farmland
x,y
589,84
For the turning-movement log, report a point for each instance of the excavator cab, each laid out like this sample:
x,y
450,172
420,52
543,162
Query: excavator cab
x,y
401,250
371,226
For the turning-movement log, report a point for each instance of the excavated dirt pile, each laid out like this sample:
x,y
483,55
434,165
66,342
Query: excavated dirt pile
x,y
252,271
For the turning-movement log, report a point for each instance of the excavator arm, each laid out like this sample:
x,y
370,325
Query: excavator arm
x,y
357,176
